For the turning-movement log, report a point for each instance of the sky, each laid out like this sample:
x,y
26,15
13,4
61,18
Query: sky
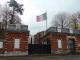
x,y
38,7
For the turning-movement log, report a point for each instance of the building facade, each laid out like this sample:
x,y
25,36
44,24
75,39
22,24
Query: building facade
x,y
16,42
37,37
62,40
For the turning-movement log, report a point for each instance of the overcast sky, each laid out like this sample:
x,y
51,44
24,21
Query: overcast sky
x,y
37,7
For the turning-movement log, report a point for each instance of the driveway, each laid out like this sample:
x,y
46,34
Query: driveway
x,y
74,57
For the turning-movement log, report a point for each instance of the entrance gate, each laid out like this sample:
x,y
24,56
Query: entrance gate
x,y
39,48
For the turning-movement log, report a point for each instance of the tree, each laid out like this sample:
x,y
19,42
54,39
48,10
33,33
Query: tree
x,y
61,20
6,16
74,23
75,20
77,16
17,8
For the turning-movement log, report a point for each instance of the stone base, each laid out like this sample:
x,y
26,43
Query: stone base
x,y
16,53
60,52
52,52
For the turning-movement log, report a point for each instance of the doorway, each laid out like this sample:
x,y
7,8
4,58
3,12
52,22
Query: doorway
x,y
72,45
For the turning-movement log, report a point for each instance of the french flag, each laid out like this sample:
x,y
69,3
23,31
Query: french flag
x,y
41,17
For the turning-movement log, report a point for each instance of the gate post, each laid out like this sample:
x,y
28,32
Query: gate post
x,y
47,45
31,40
31,46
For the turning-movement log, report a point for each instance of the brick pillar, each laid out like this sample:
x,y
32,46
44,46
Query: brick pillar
x,y
8,44
51,40
77,43
24,44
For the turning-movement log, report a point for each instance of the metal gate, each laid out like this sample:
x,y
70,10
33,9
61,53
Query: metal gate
x,y
39,48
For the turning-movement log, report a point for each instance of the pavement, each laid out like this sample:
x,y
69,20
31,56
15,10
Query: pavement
x,y
43,57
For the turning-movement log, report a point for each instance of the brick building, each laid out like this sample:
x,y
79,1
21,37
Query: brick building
x,y
16,39
62,40
38,36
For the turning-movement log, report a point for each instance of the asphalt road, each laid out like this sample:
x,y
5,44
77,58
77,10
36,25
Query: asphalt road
x,y
75,57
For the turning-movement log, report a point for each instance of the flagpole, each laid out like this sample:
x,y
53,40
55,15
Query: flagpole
x,y
46,24
46,21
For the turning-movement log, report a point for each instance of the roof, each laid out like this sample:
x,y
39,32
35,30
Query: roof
x,y
63,31
1,40
17,28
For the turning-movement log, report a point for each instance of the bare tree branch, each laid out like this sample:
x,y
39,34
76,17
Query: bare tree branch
x,y
61,20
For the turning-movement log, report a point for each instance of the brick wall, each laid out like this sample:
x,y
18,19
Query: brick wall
x,y
9,43
54,43
37,36
77,41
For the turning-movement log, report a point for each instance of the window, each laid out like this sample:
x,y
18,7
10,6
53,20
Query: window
x,y
71,31
18,26
41,35
45,42
24,27
44,32
1,44
16,43
59,30
59,44
78,45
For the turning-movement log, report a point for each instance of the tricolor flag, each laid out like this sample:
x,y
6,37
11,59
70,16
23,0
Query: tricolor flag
x,y
41,17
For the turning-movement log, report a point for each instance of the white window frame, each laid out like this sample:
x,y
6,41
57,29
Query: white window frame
x,y
59,43
1,44
16,43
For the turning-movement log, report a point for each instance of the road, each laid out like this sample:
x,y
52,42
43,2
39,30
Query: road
x,y
74,57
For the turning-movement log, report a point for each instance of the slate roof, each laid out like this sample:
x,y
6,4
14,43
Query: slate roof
x,y
52,29
76,31
63,31
17,28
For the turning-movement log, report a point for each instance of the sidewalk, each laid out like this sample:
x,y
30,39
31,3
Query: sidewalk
x,y
38,56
